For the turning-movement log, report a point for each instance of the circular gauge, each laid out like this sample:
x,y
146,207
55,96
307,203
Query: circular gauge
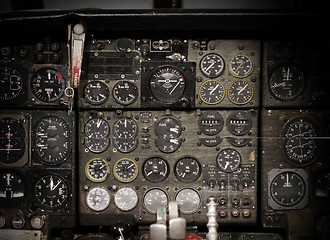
x,y
300,144
323,227
97,199
187,169
125,145
155,169
52,140
210,123
125,170
125,92
11,83
239,122
97,128
188,200
51,191
211,92
97,170
125,128
287,83
169,146
241,65
167,84
155,198
229,160
240,92
126,199
48,84
287,189
212,65
97,145
12,189
12,143
96,92
168,128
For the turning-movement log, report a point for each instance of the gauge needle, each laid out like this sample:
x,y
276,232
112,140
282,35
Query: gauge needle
x,y
98,124
51,184
214,89
209,67
174,130
239,67
287,74
287,180
57,184
227,164
180,80
130,166
242,89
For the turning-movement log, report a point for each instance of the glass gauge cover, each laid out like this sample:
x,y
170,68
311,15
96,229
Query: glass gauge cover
x,y
97,145
97,128
241,65
48,84
96,92
12,189
229,160
212,65
97,199
240,92
125,92
168,128
11,83
239,123
187,169
188,200
211,92
97,170
169,146
210,123
155,169
126,199
125,170
154,199
125,145
125,128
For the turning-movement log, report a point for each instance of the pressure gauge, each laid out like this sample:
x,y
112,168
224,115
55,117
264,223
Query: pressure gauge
x,y
212,65
125,128
211,92
156,169
125,145
187,169
125,92
97,199
97,170
97,128
12,189
155,198
189,201
126,199
241,65
11,83
125,170
240,92
96,92
229,160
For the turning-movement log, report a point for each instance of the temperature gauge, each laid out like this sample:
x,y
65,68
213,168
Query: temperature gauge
x,y
156,169
187,169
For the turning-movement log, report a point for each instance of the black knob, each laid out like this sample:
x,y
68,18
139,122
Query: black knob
x,y
120,230
177,46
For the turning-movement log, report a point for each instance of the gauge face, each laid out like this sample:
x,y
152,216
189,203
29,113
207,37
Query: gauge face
x,y
287,83
51,191
167,84
300,144
168,128
155,198
155,169
97,128
97,145
97,170
241,65
240,92
11,83
96,92
125,170
188,200
187,169
168,146
229,160
52,140
126,199
125,128
48,84
212,65
125,92
239,122
211,92
210,123
98,199
12,189
125,145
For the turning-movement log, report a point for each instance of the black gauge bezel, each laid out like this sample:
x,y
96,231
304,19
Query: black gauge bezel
x,y
182,179
222,68
104,88
132,86
163,178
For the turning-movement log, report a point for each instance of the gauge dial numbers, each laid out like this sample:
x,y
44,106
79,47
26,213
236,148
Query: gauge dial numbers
x,y
241,65
96,92
125,170
126,199
125,145
211,92
156,169
125,128
189,201
97,199
212,65
125,92
168,128
240,92
229,160
11,84
97,170
154,199
187,169
12,189
97,127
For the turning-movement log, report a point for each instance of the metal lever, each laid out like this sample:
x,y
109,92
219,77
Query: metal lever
x,y
212,224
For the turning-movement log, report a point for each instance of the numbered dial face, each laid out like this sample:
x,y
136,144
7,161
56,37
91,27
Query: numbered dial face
x,y
155,198
241,66
97,170
300,144
97,128
155,169
125,170
229,160
12,189
167,84
287,83
11,83
52,140
98,199
239,122
125,145
126,199
287,189
212,65
240,92
187,169
51,191
212,92
48,84
96,92
125,128
97,145
168,128
125,93
188,200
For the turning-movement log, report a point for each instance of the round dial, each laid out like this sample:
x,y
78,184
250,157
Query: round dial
x,y
155,169
154,199
229,160
125,170
300,144
11,83
167,84
287,189
125,145
125,92
97,170
211,92
97,128
240,92
12,189
210,123
168,128
188,200
287,83
125,128
187,169
212,65
48,84
96,92
241,65
169,146
239,122
97,145
97,199
52,140
51,191
126,199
